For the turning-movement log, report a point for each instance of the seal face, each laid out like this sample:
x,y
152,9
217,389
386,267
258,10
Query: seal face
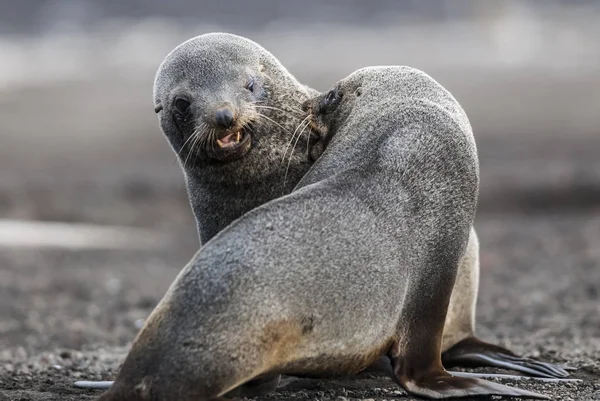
x,y
221,131
224,131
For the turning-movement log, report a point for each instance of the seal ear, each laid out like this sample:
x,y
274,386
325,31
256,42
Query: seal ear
x,y
158,108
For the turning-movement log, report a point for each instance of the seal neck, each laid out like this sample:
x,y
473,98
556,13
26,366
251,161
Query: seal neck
x,y
216,204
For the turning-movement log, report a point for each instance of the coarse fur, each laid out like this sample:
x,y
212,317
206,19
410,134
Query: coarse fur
x,y
300,286
217,71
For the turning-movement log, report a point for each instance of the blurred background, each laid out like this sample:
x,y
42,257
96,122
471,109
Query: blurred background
x,y
80,144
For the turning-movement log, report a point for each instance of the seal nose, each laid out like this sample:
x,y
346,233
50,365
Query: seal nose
x,y
224,117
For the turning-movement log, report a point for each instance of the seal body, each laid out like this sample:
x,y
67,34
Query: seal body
x,y
231,113
356,264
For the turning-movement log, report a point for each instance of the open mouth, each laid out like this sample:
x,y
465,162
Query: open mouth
x,y
232,139
232,145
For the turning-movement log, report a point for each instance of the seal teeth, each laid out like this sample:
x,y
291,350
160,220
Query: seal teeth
x,y
230,140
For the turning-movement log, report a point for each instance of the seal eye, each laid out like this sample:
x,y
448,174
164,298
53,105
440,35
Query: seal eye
x,y
182,105
250,85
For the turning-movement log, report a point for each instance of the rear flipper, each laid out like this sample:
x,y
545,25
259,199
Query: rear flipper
x,y
472,352
253,388
441,385
415,356
99,385
510,377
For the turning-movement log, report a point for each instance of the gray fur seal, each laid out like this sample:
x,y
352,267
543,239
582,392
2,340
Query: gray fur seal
x,y
257,301
230,111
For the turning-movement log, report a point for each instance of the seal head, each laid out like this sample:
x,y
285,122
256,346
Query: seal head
x,y
231,112
208,92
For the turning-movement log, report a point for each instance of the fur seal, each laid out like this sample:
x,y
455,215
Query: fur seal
x,y
257,299
230,111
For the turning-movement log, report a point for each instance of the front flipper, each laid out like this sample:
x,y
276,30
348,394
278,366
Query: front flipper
x,y
472,352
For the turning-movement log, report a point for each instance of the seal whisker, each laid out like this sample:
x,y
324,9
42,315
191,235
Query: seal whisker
x,y
308,142
194,132
196,137
308,137
200,139
193,137
289,107
213,138
260,106
207,138
292,152
293,135
274,122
